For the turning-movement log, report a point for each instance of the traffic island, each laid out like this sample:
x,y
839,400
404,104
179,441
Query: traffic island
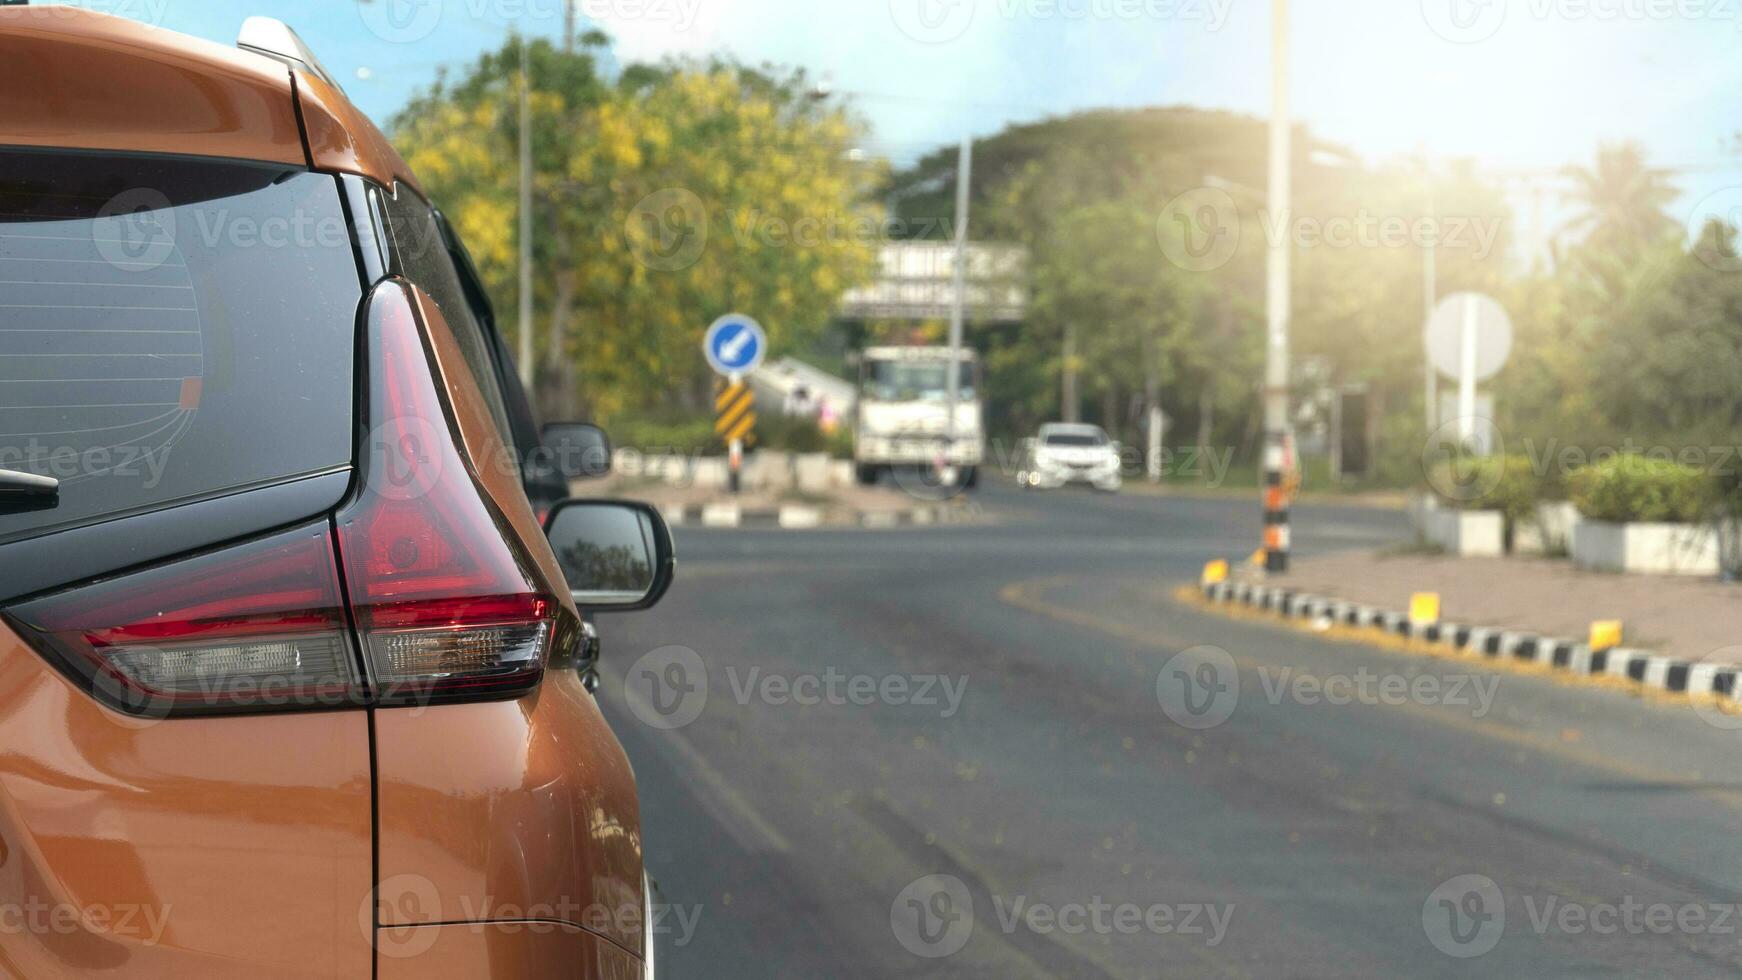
x,y
875,508
1532,616
1690,618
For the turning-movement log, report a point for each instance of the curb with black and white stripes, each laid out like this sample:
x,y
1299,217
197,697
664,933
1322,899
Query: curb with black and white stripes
x,y
1645,669
806,516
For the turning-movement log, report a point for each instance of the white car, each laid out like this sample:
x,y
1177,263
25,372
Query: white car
x,y
1069,453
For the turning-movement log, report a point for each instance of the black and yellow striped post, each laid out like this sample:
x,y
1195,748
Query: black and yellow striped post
x,y
735,421
1281,484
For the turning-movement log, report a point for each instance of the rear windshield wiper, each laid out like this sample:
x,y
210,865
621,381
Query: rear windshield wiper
x,y
14,484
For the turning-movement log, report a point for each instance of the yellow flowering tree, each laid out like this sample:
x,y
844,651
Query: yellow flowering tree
x,y
663,198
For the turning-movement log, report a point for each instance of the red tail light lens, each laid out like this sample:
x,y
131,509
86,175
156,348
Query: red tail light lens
x,y
443,602
256,626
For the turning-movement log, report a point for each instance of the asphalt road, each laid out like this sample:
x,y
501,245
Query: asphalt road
x,y
971,751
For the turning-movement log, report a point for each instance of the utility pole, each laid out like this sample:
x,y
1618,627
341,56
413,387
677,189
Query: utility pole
x,y
526,373
1276,537
1430,290
1071,402
958,303
568,25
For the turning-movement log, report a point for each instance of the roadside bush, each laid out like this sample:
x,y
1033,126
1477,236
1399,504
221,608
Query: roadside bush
x,y
1515,487
695,436
795,434
1512,488
680,435
1636,488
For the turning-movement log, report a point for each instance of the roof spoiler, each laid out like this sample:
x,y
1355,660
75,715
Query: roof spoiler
x,y
275,39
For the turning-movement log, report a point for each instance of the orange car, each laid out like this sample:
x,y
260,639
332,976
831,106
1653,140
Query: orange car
x,y
293,681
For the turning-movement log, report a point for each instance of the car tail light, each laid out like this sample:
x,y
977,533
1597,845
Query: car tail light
x,y
418,566
443,601
255,626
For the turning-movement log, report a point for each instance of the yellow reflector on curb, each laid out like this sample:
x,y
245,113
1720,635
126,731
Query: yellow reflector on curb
x,y
1605,634
1215,571
1424,608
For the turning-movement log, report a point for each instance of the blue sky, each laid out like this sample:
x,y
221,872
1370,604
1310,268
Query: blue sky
x,y
1521,85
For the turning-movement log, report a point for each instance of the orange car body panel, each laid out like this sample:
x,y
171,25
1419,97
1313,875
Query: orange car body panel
x,y
342,139
249,845
181,95
512,810
187,848
84,80
533,950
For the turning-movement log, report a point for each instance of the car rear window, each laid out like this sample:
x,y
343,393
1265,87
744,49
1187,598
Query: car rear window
x,y
169,329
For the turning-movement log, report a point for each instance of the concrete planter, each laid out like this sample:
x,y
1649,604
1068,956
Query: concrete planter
x,y
1652,549
1467,533
711,472
768,469
812,472
1421,506
841,473
1549,532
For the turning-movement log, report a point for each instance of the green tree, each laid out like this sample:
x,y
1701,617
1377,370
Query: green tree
x,y
1623,202
662,199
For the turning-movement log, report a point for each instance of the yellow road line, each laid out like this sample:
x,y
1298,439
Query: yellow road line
x,y
1026,595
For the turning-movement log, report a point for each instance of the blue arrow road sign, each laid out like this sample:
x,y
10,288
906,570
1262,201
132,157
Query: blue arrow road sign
x,y
735,344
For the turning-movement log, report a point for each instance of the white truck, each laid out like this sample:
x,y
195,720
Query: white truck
x,y
903,413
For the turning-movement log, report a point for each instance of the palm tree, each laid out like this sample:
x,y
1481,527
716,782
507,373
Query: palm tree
x,y
1624,201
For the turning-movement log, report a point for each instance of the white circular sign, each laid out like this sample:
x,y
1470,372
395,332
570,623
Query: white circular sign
x,y
1445,335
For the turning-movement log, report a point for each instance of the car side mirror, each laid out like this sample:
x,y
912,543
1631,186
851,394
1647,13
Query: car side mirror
x,y
617,555
577,450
